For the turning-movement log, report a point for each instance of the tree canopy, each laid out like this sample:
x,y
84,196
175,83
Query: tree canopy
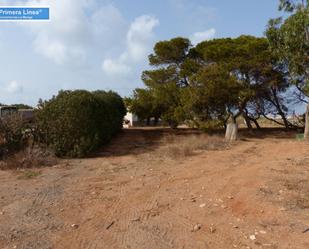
x,y
222,79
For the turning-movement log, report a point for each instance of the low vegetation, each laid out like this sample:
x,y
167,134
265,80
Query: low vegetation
x,y
71,124
12,135
175,147
29,174
74,123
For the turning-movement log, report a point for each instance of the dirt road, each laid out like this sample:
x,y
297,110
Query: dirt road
x,y
255,194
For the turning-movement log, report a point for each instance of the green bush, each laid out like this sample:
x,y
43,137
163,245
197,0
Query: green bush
x,y
74,123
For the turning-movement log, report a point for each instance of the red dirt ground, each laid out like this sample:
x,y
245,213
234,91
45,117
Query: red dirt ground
x,y
255,194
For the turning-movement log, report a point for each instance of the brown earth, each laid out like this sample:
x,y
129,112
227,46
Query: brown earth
x,y
138,194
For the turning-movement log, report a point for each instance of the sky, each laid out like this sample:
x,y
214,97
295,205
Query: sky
x,y
104,44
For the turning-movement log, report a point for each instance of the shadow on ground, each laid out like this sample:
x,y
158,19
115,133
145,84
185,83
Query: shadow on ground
x,y
137,141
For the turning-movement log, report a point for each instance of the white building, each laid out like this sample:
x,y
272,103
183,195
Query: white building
x,y
130,120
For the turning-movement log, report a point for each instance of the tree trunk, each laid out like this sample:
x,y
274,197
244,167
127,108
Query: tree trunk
x,y
231,133
285,121
306,134
247,119
248,122
156,121
256,123
277,104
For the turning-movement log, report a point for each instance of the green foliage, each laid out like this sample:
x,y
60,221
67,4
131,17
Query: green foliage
x,y
292,5
144,105
165,83
29,174
211,81
113,110
289,41
22,106
213,92
174,52
74,123
19,106
244,74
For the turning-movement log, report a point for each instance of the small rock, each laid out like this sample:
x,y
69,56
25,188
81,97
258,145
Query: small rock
x,y
75,226
263,232
235,226
193,199
203,205
252,237
1,213
136,219
196,227
223,206
212,229
267,245
93,193
230,197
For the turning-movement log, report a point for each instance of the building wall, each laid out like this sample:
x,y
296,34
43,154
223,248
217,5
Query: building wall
x,y
132,118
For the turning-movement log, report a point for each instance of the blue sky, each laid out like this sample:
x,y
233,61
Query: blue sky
x,y
98,44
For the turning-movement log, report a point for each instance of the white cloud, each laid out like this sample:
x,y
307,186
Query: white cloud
x,y
14,87
138,44
74,29
202,36
139,36
114,68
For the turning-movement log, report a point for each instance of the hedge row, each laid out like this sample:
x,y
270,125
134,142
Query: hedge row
x,y
74,123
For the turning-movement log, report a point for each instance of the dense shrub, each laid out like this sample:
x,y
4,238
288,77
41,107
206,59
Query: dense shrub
x,y
74,123
112,119
12,135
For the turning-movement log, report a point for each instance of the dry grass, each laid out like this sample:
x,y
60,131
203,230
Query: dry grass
x,y
295,181
34,158
299,193
175,147
29,174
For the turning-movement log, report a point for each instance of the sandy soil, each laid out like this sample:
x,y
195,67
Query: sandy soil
x,y
254,194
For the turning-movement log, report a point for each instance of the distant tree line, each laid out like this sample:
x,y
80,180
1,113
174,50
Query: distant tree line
x,y
18,106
